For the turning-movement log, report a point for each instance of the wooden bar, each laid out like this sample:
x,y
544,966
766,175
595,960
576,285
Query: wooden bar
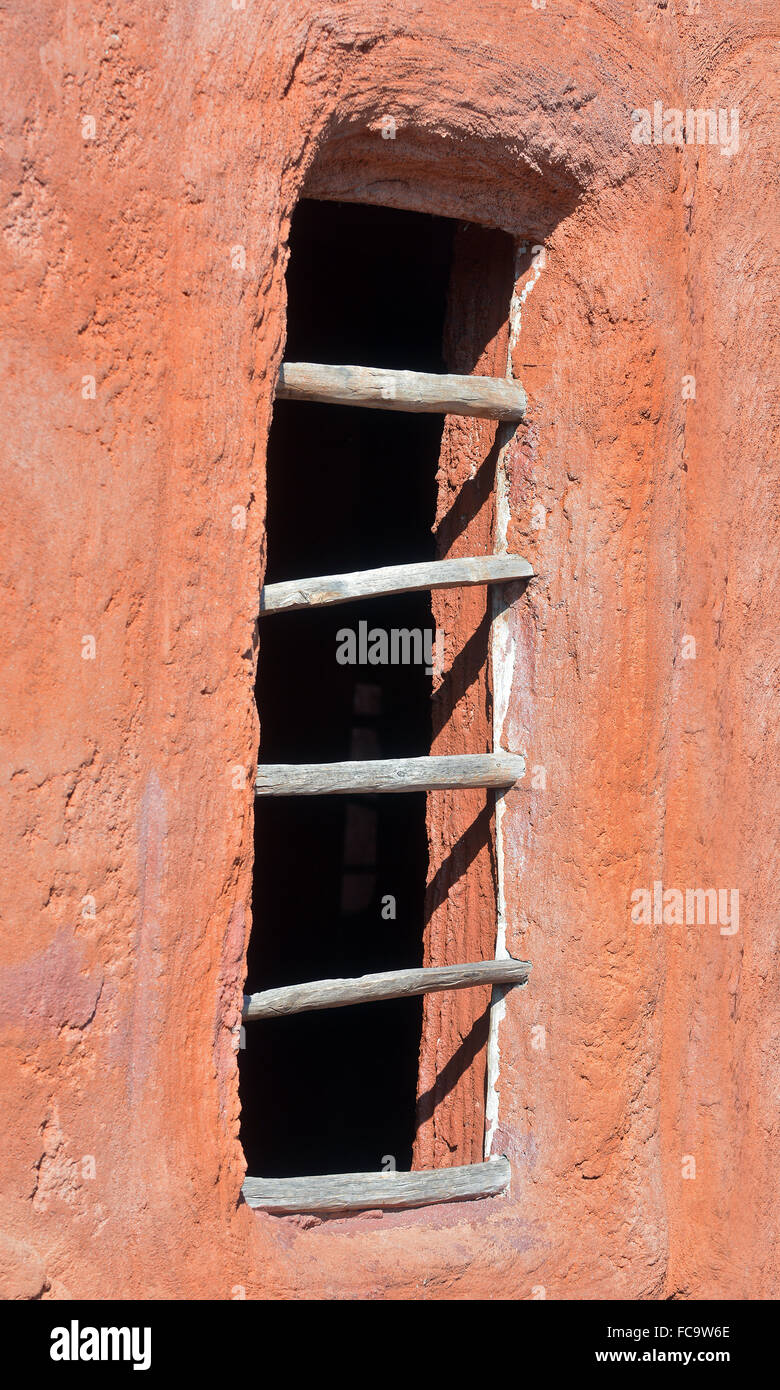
x,y
393,579
388,984
343,1192
499,770
491,398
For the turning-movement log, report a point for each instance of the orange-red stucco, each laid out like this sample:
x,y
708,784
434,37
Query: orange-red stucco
x,y
143,146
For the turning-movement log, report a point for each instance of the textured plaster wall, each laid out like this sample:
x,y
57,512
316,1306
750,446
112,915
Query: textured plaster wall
x,y
148,251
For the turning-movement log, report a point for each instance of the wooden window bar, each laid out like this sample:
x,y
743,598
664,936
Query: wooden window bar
x,y
345,1192
501,770
392,579
387,984
339,1193
487,397
379,389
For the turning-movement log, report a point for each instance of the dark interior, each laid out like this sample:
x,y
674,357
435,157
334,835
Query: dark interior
x,y
348,489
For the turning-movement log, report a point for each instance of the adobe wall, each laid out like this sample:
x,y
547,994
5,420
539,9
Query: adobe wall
x,y
122,1168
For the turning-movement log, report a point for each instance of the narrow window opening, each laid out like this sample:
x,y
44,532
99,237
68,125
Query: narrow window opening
x,y
339,885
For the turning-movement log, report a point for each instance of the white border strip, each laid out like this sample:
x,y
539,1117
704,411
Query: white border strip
x,y
502,660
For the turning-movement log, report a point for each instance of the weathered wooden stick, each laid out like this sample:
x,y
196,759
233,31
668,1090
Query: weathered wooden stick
x,y
340,1192
491,398
393,579
388,984
390,775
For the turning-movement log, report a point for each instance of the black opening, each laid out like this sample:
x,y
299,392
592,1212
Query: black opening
x,y
334,1091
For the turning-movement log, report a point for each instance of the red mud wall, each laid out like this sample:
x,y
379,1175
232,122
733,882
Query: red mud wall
x,y
151,159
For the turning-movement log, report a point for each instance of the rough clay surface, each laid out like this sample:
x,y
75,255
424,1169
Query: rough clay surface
x,y
127,829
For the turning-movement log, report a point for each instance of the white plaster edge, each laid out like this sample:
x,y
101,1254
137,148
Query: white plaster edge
x,y
502,663
502,656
